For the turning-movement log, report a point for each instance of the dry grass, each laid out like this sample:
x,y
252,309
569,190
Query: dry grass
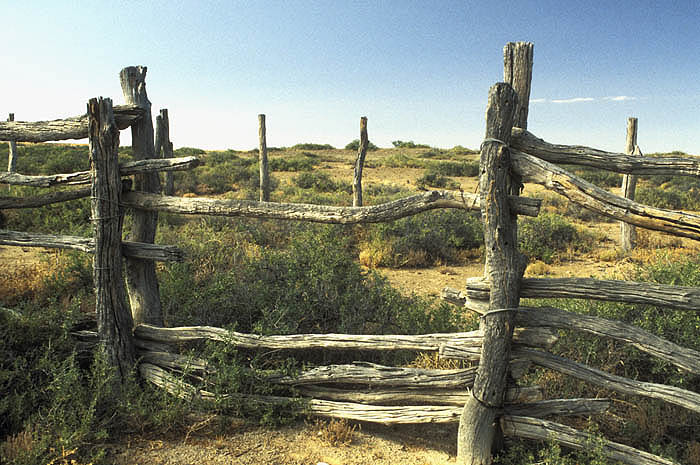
x,y
335,432
17,445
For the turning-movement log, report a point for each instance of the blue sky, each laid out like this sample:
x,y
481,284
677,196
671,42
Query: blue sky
x,y
418,70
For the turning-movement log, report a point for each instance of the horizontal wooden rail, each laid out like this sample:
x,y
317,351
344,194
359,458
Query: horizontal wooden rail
x,y
75,127
591,197
83,177
160,253
44,199
319,213
662,295
543,430
406,396
535,337
618,162
673,395
373,413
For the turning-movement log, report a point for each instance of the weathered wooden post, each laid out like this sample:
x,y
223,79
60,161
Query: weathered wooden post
x,y
628,233
12,155
504,265
359,164
164,148
264,166
141,279
114,322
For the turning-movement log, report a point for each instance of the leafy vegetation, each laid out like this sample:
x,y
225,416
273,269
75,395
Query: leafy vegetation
x,y
355,145
399,144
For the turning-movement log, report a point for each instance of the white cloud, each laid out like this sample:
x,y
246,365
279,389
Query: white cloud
x,y
620,98
538,100
573,100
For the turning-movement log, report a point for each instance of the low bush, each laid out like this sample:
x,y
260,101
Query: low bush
x,y
355,145
399,144
544,237
452,168
432,179
310,146
430,238
303,162
320,182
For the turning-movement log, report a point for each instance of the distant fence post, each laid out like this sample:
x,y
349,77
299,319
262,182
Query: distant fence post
x,y
628,233
164,148
264,166
359,163
12,156
141,279
114,322
504,265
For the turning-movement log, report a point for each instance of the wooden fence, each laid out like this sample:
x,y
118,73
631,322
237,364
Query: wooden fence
x,y
510,339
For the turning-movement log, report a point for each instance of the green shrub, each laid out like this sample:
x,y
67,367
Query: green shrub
x,y
304,162
541,238
310,146
72,217
432,179
320,182
599,177
451,168
400,160
426,239
399,144
355,145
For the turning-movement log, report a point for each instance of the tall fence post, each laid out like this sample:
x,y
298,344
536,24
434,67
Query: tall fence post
x,y
141,279
504,265
12,155
264,166
114,322
628,233
359,164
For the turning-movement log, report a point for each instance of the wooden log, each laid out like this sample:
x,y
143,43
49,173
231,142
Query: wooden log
x,y
542,430
318,213
407,396
536,337
517,71
12,150
44,199
371,374
684,358
525,141
673,395
83,177
628,234
141,279
175,361
504,266
262,157
359,164
599,200
114,323
62,129
559,407
661,295
160,253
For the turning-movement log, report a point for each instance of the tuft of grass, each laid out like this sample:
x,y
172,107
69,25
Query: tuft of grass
x,y
335,432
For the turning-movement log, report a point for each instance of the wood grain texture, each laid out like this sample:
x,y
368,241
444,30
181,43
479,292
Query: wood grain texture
x,y
542,430
673,395
114,323
141,280
83,177
318,213
661,295
504,267
12,150
599,200
525,141
70,128
517,71
359,164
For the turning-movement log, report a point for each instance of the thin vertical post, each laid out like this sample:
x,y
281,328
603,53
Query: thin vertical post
x,y
517,71
114,322
12,156
359,164
264,166
141,279
628,233
164,148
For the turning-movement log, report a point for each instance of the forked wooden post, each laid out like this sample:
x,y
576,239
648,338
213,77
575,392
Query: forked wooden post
x,y
264,165
504,265
141,279
12,155
114,322
628,233
359,164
